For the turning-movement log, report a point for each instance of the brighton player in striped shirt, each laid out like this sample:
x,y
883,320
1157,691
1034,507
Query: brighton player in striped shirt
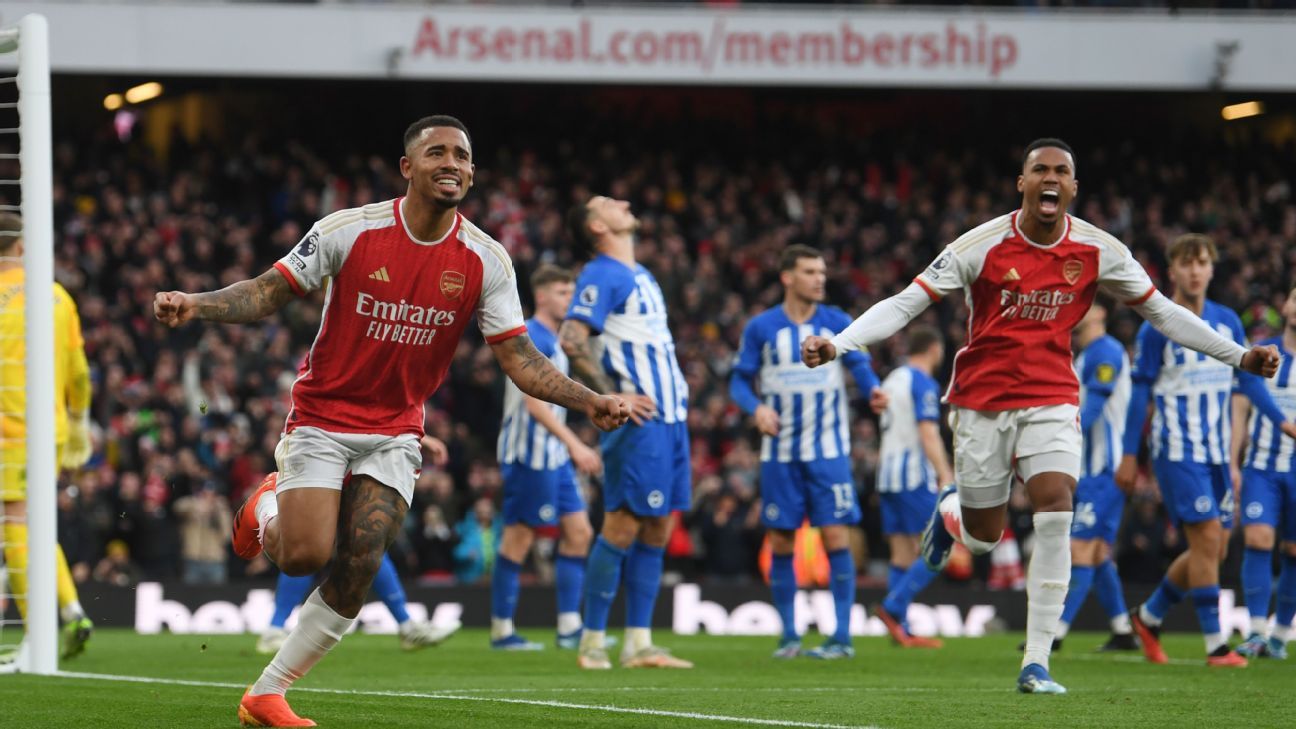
x,y
913,466
1190,439
1028,277
1269,501
617,340
403,279
804,419
1104,371
536,453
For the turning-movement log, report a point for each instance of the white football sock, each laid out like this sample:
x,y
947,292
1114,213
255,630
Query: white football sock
x,y
318,629
1282,633
501,628
1148,618
1120,625
1213,641
1062,629
267,508
569,623
1260,626
950,506
1046,584
593,639
72,611
637,639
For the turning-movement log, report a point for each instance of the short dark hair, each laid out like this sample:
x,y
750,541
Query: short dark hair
x,y
11,229
793,253
1043,142
578,226
923,338
413,131
548,273
1191,245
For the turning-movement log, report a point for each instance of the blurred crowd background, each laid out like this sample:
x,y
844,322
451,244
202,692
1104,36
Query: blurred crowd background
x,y
186,420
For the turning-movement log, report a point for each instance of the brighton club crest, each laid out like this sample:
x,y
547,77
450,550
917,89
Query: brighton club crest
x,y
1071,271
452,284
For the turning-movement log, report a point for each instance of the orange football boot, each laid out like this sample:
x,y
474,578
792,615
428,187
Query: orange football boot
x,y
245,541
268,710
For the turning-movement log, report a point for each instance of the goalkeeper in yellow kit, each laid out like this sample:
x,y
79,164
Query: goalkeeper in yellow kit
x,y
71,424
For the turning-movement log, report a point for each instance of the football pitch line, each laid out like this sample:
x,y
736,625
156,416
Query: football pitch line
x,y
463,696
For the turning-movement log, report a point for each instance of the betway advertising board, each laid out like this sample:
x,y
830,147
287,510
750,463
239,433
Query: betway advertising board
x,y
687,609
799,45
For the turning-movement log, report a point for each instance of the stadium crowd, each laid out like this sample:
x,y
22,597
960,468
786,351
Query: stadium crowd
x,y
187,419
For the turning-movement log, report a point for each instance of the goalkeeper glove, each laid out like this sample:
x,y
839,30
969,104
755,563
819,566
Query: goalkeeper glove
x,y
77,450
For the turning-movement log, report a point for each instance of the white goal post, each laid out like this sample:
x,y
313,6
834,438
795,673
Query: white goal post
x,y
29,41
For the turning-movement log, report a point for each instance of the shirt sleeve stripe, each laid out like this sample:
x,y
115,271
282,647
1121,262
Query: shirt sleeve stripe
x,y
292,280
1142,299
497,338
930,292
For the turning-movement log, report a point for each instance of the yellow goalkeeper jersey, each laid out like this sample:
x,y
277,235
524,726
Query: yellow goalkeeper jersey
x,y
71,371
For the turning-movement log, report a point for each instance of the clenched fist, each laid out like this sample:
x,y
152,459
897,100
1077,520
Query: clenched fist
x,y
608,412
1261,361
173,308
817,350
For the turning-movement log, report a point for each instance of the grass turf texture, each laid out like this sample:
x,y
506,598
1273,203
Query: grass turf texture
x,y
970,683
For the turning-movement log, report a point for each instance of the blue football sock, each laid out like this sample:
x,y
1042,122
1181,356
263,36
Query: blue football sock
x,y
903,592
1287,591
1163,598
390,590
1082,577
504,587
1206,601
602,577
841,568
569,579
1107,586
1257,580
289,593
783,586
643,571
894,575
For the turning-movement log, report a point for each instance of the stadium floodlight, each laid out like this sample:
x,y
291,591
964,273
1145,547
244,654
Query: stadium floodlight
x,y
30,39
1242,110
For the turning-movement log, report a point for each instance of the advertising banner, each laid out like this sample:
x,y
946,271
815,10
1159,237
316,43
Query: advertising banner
x,y
792,46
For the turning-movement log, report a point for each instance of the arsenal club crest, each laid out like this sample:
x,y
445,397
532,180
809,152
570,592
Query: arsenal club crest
x,y
1071,271
452,284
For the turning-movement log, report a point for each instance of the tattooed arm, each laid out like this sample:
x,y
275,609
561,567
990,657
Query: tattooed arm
x,y
535,375
237,303
574,337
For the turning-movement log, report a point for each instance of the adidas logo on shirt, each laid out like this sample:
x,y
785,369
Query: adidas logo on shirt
x,y
380,275
1012,275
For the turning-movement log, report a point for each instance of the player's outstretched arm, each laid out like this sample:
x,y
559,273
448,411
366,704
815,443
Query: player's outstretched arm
x,y
535,375
237,303
1193,332
880,321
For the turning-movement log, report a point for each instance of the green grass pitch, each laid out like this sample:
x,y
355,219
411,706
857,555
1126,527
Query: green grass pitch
x,y
368,682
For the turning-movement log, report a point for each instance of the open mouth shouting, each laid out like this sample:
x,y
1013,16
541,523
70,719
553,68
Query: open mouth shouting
x,y
1049,202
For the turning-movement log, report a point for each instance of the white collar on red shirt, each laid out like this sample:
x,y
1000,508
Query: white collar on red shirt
x,y
1066,217
400,210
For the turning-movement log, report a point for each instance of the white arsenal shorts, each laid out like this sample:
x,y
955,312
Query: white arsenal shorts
x,y
988,445
310,457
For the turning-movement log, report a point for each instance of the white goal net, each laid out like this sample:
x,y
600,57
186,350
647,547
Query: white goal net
x,y
27,351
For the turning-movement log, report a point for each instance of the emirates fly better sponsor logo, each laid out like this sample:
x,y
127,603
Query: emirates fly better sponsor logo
x,y
400,321
1039,305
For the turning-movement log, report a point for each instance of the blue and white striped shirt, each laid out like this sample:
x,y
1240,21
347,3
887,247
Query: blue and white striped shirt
x,y
626,308
1192,393
814,422
1270,450
522,440
914,397
1103,369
